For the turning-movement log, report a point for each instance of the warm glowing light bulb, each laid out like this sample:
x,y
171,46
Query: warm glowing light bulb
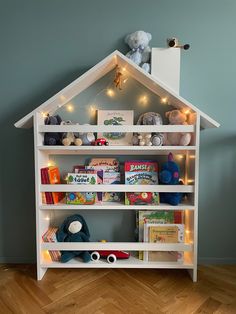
x,y
124,69
187,111
164,100
47,218
92,109
190,181
125,80
179,156
110,92
143,100
187,231
50,163
44,114
70,108
192,156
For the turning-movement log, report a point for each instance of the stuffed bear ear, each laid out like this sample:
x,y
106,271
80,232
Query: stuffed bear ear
x,y
149,36
127,37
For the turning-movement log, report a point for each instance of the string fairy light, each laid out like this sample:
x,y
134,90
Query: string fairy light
x,y
164,100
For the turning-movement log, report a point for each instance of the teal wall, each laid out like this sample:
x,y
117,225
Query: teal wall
x,y
47,44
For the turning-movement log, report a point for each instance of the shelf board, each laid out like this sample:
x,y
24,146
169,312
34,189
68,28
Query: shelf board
x,y
115,188
117,128
116,150
132,262
116,206
127,246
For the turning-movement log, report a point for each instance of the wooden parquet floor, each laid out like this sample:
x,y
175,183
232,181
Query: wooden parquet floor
x,y
113,291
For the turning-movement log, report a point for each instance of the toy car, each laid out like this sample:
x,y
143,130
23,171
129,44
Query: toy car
x,y
101,141
111,256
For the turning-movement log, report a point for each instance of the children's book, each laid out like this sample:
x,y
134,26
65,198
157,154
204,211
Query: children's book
x,y
116,117
145,173
47,196
105,162
54,178
82,178
163,233
50,236
155,217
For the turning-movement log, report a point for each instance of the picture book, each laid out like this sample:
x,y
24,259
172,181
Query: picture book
x,y
50,236
111,178
54,178
116,117
155,217
141,165
80,198
163,233
46,196
82,178
141,177
105,162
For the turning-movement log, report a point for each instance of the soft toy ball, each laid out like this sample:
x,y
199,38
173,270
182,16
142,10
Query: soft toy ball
x,y
177,117
52,138
87,138
169,175
74,229
149,139
140,52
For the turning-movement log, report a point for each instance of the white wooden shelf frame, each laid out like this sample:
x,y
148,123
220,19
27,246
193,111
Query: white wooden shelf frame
x,y
190,207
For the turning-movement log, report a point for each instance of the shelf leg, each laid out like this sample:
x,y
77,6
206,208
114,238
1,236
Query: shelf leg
x,y
41,272
193,274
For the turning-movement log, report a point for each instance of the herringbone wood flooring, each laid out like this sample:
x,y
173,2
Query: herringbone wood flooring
x,y
117,291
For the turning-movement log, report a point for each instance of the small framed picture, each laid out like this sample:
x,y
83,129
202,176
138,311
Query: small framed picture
x,y
116,117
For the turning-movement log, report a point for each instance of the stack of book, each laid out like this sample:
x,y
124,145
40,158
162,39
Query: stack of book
x,y
50,236
152,218
51,175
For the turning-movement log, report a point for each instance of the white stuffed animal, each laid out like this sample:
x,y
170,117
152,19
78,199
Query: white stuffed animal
x,y
70,138
177,117
140,52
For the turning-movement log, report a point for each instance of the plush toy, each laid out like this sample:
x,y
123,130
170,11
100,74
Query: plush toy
x,y
74,229
86,138
149,139
183,139
169,175
70,138
52,138
140,52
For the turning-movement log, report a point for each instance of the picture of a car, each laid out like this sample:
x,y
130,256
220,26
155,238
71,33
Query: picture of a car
x,y
101,141
110,256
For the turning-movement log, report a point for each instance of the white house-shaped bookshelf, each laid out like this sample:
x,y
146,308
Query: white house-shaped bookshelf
x,y
190,154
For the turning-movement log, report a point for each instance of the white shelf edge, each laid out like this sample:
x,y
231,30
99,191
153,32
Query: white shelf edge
x,y
117,128
115,188
132,262
116,206
116,150
128,246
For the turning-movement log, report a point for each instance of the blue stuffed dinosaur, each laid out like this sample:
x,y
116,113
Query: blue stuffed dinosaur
x,y
74,229
170,175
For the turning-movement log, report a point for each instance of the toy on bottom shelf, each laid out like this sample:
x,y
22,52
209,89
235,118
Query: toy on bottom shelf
x,y
74,229
149,139
111,256
140,52
169,175
52,138
177,117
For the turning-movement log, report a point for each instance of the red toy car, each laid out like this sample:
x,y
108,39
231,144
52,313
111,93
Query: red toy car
x,y
101,141
139,198
111,256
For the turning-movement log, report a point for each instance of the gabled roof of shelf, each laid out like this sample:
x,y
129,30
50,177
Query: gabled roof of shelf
x,y
101,69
